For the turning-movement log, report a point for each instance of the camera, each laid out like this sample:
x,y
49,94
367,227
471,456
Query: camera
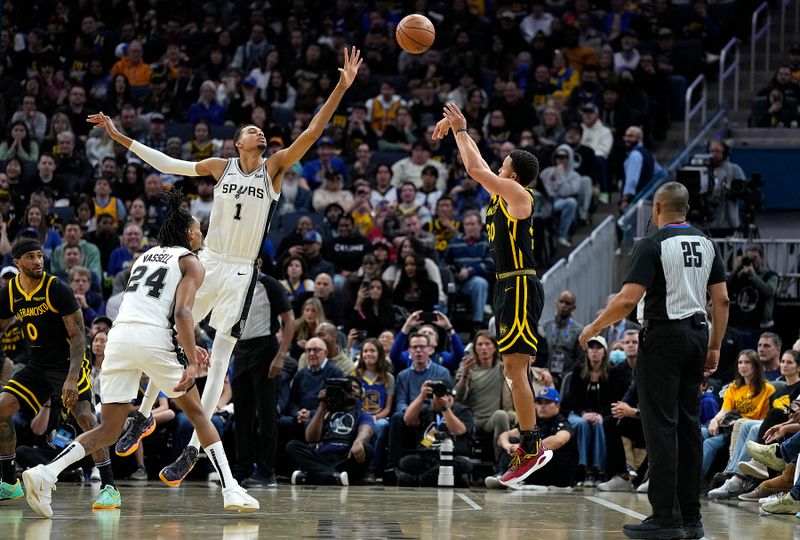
x,y
427,317
361,335
439,388
338,393
747,261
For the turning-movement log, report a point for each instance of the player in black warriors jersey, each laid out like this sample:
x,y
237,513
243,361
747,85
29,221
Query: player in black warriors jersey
x,y
518,294
53,325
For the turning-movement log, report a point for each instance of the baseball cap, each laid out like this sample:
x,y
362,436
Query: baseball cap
x,y
156,117
325,140
599,339
548,393
249,81
630,33
312,237
665,32
12,270
505,14
275,140
589,108
103,319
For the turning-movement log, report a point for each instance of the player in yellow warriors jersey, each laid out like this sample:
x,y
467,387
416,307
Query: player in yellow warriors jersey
x,y
518,296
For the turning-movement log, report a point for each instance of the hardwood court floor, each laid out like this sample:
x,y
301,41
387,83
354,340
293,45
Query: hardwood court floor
x,y
153,511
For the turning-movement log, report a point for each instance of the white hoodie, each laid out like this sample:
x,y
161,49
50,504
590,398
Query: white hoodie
x,y
598,138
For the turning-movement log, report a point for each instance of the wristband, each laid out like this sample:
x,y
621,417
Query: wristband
x,y
446,408
460,130
448,330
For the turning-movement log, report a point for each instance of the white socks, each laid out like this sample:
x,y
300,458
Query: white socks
x,y
221,353
150,397
73,453
216,454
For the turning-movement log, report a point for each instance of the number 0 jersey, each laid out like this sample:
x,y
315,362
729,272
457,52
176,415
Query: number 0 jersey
x,y
242,211
41,314
150,295
510,239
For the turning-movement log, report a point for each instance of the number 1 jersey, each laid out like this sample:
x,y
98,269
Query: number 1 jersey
x,y
150,295
243,208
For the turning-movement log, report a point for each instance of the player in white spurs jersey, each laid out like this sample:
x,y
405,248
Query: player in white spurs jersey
x,y
154,318
247,191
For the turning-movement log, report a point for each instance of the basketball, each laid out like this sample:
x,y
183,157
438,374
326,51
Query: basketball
x,y
415,34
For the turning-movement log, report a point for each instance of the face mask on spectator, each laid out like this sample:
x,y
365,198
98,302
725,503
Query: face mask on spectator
x,y
617,357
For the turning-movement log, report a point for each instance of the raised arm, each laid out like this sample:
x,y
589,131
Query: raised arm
x,y
291,155
158,160
518,199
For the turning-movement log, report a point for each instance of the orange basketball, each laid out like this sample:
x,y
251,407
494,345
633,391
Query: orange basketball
x,y
415,34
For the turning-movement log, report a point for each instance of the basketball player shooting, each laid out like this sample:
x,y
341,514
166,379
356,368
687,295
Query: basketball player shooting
x,y
518,293
245,197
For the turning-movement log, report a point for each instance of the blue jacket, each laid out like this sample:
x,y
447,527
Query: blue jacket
x,y
449,359
461,253
409,383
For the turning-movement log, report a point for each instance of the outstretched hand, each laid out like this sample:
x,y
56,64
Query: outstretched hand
x,y
441,130
352,61
101,120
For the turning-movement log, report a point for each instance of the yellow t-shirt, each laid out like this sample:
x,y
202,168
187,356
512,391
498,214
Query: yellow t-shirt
x,y
742,400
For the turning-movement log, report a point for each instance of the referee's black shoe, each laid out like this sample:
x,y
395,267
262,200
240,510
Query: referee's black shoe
x,y
693,529
650,529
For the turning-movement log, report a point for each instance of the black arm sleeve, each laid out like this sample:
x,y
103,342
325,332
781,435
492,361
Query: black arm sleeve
x,y
644,262
717,269
277,300
5,303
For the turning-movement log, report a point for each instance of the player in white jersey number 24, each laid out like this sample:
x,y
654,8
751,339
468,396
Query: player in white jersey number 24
x,y
143,340
246,194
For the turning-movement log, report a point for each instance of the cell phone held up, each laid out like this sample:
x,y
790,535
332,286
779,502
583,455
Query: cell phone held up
x,y
427,317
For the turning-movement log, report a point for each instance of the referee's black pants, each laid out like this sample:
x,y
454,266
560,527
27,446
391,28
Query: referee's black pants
x,y
255,394
669,372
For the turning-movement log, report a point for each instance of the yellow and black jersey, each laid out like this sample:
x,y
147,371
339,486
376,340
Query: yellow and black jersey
x,y
41,313
510,239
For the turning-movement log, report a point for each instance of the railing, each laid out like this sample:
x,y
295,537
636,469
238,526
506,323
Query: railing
x,y
785,3
690,111
588,272
725,72
755,36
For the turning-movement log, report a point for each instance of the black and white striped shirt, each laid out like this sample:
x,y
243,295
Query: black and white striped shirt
x,y
676,264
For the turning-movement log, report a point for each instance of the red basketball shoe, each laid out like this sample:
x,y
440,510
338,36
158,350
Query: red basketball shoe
x,y
523,465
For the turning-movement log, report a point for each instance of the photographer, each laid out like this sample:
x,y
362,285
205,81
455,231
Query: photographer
x,y
441,419
752,288
401,358
727,178
338,452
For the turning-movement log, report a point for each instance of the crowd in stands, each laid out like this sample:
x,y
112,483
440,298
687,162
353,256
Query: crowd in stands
x,y
377,268
776,105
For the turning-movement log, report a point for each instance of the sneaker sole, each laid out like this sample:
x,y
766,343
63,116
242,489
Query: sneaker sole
x,y
133,448
548,455
746,468
14,498
32,497
170,483
96,506
242,509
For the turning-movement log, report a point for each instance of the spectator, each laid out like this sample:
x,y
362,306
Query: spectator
x,y
342,453
410,204
402,358
332,191
561,334
202,205
562,76
105,203
725,214
435,418
71,165
379,387
382,109
311,250
776,112
752,287
410,168
201,146
134,68
373,311
572,193
314,171
329,334
414,289
46,178
749,396
105,238
90,254
600,139
346,250
769,354
481,386
35,120
280,95
294,197
206,108
19,144
783,81
312,314
360,140
557,435
295,280
550,132
361,210
91,303
618,330
472,265
35,224
628,57
640,166
324,292
76,112
122,257
588,398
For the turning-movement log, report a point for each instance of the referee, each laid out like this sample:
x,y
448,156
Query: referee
x,y
671,271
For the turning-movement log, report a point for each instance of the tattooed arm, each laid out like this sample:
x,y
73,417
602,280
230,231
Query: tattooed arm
x,y
77,350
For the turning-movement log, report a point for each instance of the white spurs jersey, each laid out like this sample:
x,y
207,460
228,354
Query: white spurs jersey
x,y
242,211
150,294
